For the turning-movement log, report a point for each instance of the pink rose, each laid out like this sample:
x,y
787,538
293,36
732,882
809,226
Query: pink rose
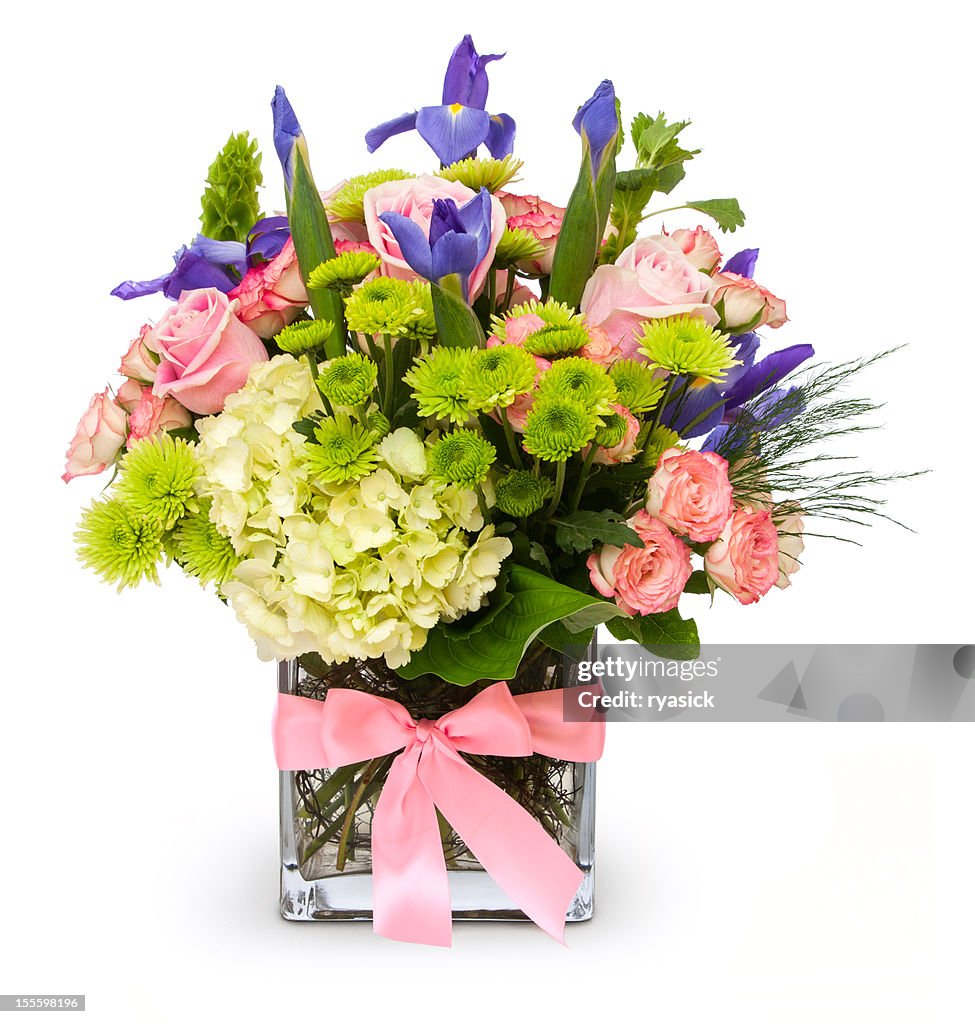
x,y
791,546
272,295
148,413
652,278
98,438
746,304
343,246
414,198
699,246
646,580
626,449
517,328
140,361
206,351
541,219
744,560
690,492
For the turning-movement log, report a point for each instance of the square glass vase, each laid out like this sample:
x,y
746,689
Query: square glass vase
x,y
326,816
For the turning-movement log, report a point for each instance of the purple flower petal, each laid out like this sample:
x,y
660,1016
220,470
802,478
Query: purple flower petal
x,y
137,289
476,220
501,135
191,271
287,131
746,348
454,253
682,411
227,254
466,79
412,242
478,92
742,263
378,135
598,122
452,132
266,224
766,373
444,218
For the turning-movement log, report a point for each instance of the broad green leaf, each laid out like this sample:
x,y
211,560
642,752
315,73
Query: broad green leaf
x,y
457,324
560,639
495,650
313,243
581,531
726,213
667,635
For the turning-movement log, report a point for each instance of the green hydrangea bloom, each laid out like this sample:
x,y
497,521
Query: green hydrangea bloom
x,y
348,379
119,544
582,380
230,202
436,380
342,451
496,376
521,493
158,477
557,427
688,346
461,457
637,387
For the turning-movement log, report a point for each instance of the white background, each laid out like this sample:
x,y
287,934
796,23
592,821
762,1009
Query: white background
x,y
769,872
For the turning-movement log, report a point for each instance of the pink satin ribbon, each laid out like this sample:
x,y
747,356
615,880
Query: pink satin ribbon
x,y
411,898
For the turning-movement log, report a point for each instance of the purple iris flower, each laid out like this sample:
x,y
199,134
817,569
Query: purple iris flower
x,y
287,132
766,374
742,263
459,239
597,121
460,124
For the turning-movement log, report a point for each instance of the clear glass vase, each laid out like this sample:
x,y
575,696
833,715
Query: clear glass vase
x,y
326,816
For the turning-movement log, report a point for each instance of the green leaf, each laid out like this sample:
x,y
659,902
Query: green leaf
x,y
306,427
656,141
560,639
667,634
726,213
457,323
313,245
190,434
581,531
537,553
495,650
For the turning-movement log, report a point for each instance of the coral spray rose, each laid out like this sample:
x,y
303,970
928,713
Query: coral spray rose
x,y
690,492
148,413
98,438
699,246
205,351
744,560
540,219
271,295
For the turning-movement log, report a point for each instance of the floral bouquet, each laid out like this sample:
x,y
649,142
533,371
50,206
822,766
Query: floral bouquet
x,y
424,434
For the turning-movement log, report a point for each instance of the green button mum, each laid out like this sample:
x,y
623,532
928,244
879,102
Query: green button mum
x,y
556,428
461,457
119,544
688,346
521,493
496,376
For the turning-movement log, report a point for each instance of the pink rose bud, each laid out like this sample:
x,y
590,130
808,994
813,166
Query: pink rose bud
x,y
151,414
700,248
542,220
98,438
643,580
690,493
744,560
272,295
205,351
745,304
140,361
791,546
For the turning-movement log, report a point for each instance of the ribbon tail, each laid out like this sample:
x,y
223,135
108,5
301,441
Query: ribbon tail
x,y
411,895
511,845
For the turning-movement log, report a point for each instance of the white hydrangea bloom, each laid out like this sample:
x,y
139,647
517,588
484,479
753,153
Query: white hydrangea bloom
x,y
358,570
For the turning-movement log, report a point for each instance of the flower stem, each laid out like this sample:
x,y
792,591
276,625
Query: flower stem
x,y
583,477
352,806
509,290
559,486
663,403
492,291
390,383
313,366
510,437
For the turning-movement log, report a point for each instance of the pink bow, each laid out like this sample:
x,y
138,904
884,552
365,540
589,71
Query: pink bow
x,y
411,899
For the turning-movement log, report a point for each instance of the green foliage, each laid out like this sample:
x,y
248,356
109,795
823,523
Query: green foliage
x,y
495,650
582,531
726,213
667,634
457,324
230,202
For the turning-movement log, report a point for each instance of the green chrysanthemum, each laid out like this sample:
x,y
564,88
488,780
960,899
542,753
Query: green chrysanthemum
x,y
343,273
582,380
378,425
483,172
521,493
555,341
612,432
496,376
203,551
348,380
688,346
119,544
346,204
342,450
636,386
461,457
656,443
516,246
556,428
554,314
387,305
230,202
422,326
158,477
436,380
303,336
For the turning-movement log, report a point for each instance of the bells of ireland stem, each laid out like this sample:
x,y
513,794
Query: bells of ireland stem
x,y
310,232
598,125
